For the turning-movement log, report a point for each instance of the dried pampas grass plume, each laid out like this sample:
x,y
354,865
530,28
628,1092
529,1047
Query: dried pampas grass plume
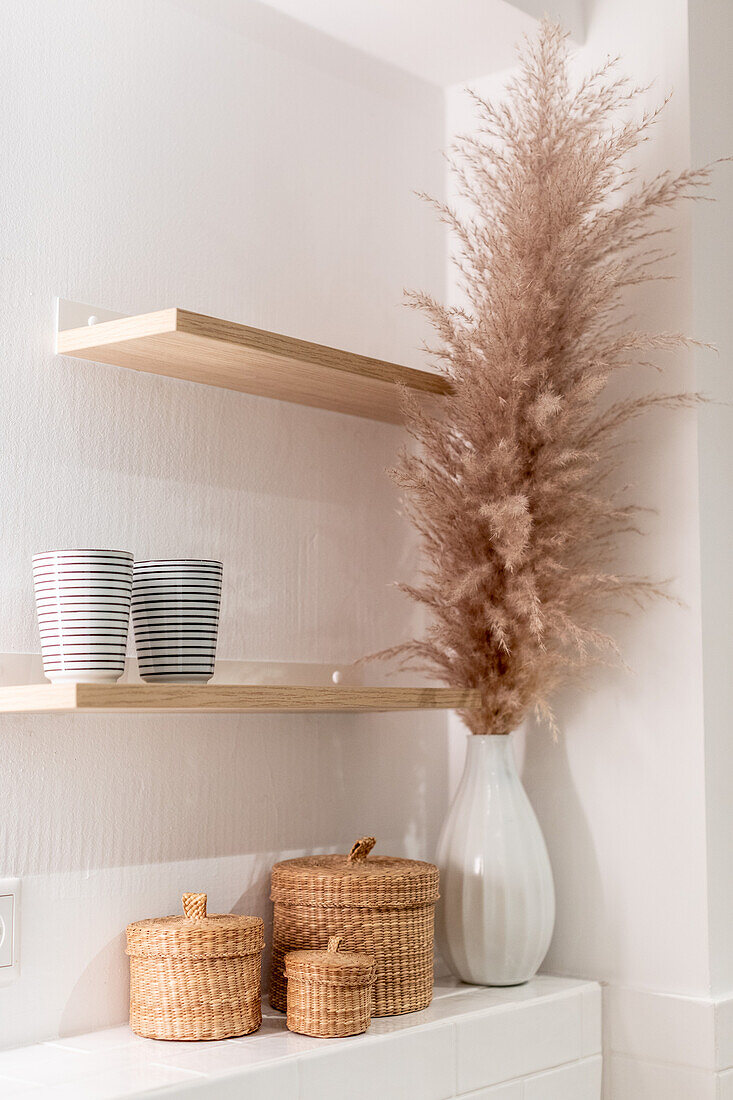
x,y
509,488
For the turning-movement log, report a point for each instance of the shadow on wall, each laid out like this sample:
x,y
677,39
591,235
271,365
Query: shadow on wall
x,y
209,440
548,779
177,789
107,971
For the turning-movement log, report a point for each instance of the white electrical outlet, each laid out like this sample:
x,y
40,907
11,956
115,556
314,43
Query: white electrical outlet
x,y
9,929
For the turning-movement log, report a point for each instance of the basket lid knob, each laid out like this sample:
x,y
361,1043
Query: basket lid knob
x,y
361,849
194,906
334,944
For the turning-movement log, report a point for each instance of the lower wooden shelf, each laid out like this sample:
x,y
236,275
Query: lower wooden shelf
x,y
231,698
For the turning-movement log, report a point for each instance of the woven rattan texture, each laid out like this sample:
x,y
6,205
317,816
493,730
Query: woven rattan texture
x,y
380,906
329,992
194,906
216,937
401,941
308,966
378,882
172,998
195,976
334,965
328,1011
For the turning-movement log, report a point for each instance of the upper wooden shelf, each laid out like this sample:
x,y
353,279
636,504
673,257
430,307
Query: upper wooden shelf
x,y
232,698
187,345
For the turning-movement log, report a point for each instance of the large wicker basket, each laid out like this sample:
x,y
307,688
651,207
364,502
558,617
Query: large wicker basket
x,y
195,976
380,906
329,992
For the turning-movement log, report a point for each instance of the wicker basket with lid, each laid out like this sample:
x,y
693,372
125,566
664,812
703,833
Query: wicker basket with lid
x,y
195,976
329,992
379,905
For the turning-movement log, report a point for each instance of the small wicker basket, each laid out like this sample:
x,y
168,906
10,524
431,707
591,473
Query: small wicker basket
x,y
195,976
381,906
329,992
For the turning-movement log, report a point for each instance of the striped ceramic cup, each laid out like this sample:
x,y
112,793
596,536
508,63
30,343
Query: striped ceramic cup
x,y
83,605
175,611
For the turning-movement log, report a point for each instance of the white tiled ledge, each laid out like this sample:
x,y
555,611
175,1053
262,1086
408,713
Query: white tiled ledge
x,y
540,1041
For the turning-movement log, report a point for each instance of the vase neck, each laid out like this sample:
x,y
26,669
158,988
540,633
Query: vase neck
x,y
491,754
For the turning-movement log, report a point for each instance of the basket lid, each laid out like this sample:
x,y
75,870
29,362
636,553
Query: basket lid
x,y
196,934
332,966
357,880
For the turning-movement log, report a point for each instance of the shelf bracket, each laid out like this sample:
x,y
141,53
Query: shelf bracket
x,y
78,314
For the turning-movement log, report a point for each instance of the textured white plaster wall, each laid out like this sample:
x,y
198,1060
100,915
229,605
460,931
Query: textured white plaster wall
x,y
621,795
216,157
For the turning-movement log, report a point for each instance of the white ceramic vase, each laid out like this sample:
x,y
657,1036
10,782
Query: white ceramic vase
x,y
497,908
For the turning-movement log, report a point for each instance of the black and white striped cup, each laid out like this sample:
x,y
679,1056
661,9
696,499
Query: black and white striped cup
x,y
175,611
83,605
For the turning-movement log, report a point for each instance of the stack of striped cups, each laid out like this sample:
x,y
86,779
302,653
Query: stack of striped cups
x,y
83,598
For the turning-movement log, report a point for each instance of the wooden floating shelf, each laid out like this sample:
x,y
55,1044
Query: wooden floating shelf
x,y
180,344
226,698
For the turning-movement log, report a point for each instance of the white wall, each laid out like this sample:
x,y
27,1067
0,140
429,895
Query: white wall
x,y
216,157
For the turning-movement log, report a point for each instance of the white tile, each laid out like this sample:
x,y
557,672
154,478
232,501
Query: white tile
x,y
501,1044
409,1057
579,1081
661,1027
113,1084
49,1064
417,1066
235,1056
135,1058
446,987
635,1079
592,1013
724,1034
544,985
10,1089
725,1085
446,1009
155,1050
267,1082
108,1038
228,1059
512,1090
43,1064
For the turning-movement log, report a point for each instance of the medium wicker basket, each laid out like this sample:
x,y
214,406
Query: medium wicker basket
x,y
329,992
195,976
381,906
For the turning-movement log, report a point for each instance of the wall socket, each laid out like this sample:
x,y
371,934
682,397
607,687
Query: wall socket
x,y
9,930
